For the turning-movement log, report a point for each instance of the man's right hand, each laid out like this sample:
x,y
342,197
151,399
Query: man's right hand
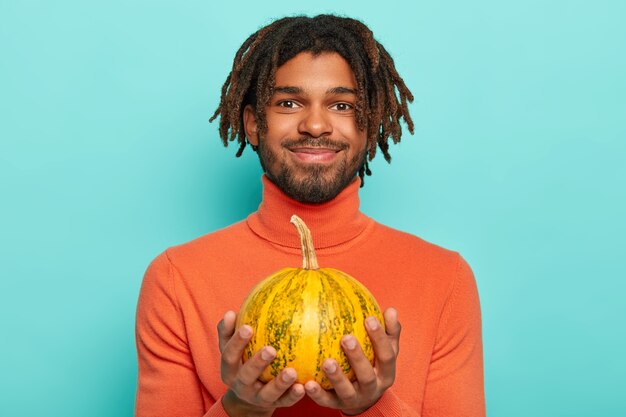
x,y
247,395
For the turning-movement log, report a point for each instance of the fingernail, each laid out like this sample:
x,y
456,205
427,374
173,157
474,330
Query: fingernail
x,y
372,323
349,342
245,332
267,354
330,367
288,375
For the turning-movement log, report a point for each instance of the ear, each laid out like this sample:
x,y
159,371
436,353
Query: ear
x,y
250,125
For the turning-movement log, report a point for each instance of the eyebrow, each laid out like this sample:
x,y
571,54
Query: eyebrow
x,y
288,90
341,90
298,90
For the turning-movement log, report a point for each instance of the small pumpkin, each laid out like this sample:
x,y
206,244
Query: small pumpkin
x,y
304,312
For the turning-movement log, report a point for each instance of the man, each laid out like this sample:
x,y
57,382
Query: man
x,y
315,97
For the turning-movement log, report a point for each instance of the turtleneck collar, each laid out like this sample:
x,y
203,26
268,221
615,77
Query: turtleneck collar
x,y
332,223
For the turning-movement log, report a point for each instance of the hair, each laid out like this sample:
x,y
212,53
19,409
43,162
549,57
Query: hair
x,y
251,81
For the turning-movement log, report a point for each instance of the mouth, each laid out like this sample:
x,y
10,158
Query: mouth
x,y
315,154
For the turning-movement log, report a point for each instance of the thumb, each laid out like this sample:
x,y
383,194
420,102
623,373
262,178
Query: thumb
x,y
226,328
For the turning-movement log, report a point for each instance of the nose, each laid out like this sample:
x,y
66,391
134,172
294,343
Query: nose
x,y
315,123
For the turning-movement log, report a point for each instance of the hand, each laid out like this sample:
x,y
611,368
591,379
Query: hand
x,y
247,395
371,381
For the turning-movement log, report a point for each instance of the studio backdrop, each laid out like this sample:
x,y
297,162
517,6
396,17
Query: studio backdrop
x,y
517,162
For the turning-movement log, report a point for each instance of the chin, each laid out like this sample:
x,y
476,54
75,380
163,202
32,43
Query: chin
x,y
315,189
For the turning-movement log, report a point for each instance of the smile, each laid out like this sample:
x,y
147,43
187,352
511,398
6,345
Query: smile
x,y
314,154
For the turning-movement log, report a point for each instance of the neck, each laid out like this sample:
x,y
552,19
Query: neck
x,y
331,223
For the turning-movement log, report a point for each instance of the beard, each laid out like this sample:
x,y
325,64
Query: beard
x,y
318,183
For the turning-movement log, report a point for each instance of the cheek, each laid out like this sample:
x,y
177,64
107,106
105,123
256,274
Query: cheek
x,y
358,140
281,123
348,128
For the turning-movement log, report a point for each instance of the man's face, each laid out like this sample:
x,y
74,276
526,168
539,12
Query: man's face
x,y
312,148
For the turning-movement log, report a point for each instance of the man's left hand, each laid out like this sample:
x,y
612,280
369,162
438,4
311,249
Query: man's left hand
x,y
371,381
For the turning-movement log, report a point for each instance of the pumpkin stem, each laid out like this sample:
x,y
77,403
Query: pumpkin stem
x,y
309,260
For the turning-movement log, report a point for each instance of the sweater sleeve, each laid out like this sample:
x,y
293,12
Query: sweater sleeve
x,y
168,385
389,405
454,385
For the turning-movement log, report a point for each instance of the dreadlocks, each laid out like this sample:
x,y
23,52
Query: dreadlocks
x,y
251,81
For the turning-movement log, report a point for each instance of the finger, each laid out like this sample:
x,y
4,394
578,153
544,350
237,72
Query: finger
x,y
341,384
320,395
365,374
253,368
393,328
226,328
383,350
295,394
232,353
278,386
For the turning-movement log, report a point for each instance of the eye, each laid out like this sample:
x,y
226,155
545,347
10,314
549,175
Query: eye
x,y
287,104
343,107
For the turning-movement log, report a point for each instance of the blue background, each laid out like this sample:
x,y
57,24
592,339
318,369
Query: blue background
x,y
107,158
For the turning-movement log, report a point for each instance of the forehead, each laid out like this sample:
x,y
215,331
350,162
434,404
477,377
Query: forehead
x,y
312,72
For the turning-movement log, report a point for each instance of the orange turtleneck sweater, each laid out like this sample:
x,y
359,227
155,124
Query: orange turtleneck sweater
x,y
187,289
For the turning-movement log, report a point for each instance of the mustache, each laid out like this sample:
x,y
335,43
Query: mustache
x,y
311,142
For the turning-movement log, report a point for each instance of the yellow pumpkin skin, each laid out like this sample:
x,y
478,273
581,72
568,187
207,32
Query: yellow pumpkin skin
x,y
303,314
